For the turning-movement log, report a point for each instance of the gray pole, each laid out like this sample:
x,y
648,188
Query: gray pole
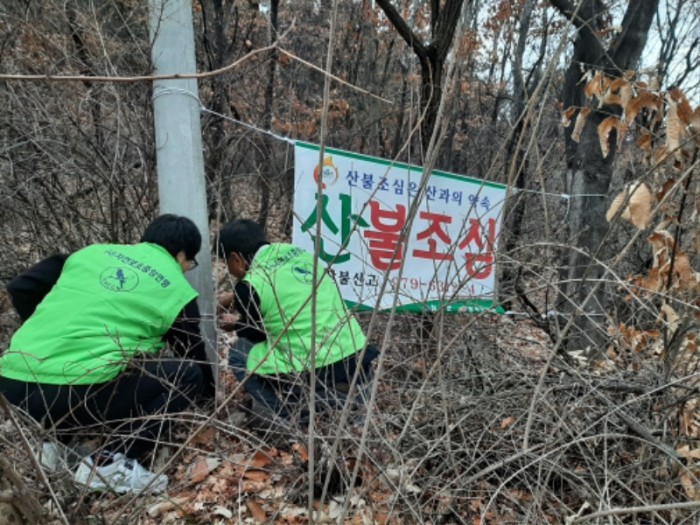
x,y
180,162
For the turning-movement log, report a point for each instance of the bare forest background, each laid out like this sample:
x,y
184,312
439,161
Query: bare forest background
x,y
579,406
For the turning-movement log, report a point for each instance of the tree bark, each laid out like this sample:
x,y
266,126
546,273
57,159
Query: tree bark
x,y
266,162
431,56
516,164
588,173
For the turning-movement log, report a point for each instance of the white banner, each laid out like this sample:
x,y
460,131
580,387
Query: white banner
x,y
448,255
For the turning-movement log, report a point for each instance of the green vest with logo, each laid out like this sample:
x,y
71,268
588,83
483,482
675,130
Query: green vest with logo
x,y
282,276
110,303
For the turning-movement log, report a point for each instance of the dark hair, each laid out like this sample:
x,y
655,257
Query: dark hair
x,y
174,233
241,236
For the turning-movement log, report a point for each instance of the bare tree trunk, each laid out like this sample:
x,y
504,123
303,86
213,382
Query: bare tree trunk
x,y
516,160
588,173
444,17
215,20
267,166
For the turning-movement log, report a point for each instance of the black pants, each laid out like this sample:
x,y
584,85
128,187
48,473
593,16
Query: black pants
x,y
125,405
286,395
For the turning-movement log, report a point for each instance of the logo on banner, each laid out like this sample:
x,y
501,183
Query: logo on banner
x,y
328,173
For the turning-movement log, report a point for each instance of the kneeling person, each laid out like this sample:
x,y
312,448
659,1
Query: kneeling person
x,y
273,314
85,355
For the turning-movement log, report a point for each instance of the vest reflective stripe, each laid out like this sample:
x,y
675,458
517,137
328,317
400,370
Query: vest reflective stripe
x,y
281,274
110,303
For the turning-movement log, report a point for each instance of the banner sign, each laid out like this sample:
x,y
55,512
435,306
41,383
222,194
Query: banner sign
x,y
447,256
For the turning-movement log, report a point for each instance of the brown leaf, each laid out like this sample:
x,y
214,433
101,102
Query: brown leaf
x,y
200,470
688,483
661,240
640,206
668,185
203,467
597,86
687,453
567,115
684,271
604,129
619,93
580,122
162,507
508,421
301,451
257,511
675,129
644,141
695,221
615,206
205,436
260,459
669,315
645,100
694,124
685,112
381,518
256,475
652,281
662,243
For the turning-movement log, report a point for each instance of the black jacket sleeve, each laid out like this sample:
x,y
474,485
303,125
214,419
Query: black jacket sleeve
x,y
185,340
29,289
247,303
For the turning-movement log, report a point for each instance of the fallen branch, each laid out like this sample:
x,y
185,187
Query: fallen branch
x,y
21,499
634,510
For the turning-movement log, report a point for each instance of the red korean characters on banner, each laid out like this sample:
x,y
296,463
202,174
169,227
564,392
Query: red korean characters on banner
x,y
385,246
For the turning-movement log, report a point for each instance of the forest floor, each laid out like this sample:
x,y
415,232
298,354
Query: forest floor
x,y
223,471
475,423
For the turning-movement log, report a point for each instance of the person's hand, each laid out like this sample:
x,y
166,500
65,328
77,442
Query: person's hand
x,y
228,321
225,302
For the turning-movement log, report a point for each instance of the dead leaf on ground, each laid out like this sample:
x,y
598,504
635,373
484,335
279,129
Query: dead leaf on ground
x,y
162,507
260,459
669,315
257,511
205,436
203,466
689,485
507,422
301,451
256,475
687,453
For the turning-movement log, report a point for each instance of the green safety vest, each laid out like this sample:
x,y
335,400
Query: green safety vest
x,y
109,303
282,276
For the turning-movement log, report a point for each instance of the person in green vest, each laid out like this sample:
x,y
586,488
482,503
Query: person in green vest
x,y
279,343
86,355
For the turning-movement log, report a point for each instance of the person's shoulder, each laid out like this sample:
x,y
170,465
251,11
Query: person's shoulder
x,y
289,247
96,248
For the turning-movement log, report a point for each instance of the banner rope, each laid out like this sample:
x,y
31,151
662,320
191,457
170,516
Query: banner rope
x,y
180,91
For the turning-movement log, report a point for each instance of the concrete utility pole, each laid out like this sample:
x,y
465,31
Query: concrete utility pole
x,y
180,162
